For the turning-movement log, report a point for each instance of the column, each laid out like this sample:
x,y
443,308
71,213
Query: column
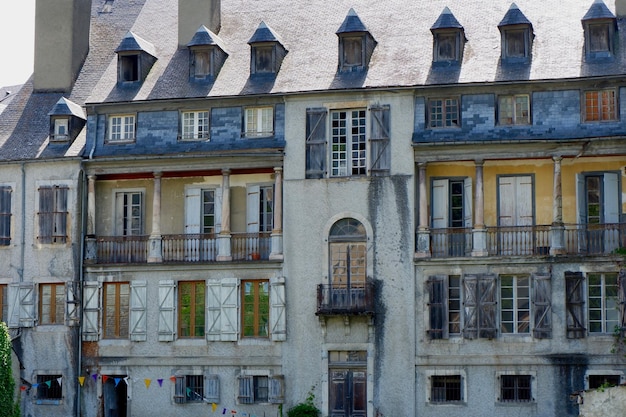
x,y
276,252
557,229
223,239
479,232
91,249
423,231
154,241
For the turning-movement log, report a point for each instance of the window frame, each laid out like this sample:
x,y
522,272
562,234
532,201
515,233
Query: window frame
x,y
48,395
603,373
508,32
444,122
54,316
117,311
248,387
125,134
514,117
516,376
121,224
605,307
438,37
57,124
53,216
201,72
348,162
260,318
600,109
347,233
515,308
194,328
6,192
196,128
129,67
592,29
263,50
346,53
256,124
431,375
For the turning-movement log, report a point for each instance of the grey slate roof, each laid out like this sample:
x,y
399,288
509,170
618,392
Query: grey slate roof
x,y
446,20
514,16
402,57
204,36
352,23
67,107
598,10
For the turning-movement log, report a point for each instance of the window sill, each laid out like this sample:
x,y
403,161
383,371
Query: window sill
x,y
48,402
119,141
255,341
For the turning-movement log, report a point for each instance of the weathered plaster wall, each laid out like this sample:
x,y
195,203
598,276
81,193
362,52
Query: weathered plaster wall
x,y
603,403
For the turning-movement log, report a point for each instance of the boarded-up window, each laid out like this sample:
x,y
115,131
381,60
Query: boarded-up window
x,y
380,149
5,215
53,214
574,303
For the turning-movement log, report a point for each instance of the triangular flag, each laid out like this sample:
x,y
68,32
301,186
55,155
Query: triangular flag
x,y
160,381
188,392
49,383
59,380
117,381
213,407
94,376
34,385
147,381
173,378
224,411
81,380
126,380
104,378
23,388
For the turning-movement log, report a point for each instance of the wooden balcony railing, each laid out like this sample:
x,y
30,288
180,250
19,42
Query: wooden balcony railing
x,y
518,240
189,248
122,249
250,246
451,242
595,239
345,300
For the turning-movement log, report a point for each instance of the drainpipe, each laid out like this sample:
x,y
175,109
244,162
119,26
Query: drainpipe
x,y
79,361
23,241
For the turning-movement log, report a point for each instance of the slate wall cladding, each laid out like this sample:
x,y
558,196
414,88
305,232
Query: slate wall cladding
x,y
555,115
226,124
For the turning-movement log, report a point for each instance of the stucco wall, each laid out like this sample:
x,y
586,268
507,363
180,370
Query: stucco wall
x,y
603,402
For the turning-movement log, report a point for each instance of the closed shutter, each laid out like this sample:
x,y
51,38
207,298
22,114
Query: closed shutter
x,y
91,310
138,304
230,309
437,307
487,309
72,292
46,208
167,310
470,293
276,391
246,390
574,305
212,389
380,148
252,208
542,306
213,310
622,300
316,143
278,318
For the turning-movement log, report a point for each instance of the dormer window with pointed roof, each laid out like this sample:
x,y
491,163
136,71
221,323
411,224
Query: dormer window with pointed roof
x,y
356,44
599,25
67,119
206,55
517,36
266,51
448,38
135,58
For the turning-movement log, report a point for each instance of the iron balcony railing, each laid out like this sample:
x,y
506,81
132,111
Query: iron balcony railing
x,y
337,299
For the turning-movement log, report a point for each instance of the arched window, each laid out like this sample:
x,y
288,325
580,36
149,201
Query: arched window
x,y
347,247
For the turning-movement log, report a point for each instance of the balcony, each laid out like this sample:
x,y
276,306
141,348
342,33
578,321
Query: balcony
x,y
121,249
351,300
518,240
595,239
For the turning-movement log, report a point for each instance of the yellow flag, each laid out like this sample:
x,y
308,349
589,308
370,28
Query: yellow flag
x,y
81,380
147,381
213,407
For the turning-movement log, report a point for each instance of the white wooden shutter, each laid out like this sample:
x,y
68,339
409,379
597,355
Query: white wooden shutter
x,y
192,210
138,303
276,389
468,203
487,307
218,209
72,299
440,201
13,320
91,310
167,310
574,305
212,388
252,208
213,310
230,309
278,321
506,204
246,389
27,304
611,211
470,303
581,203
524,201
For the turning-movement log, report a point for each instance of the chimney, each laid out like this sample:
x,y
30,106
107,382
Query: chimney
x,y
194,13
620,8
61,43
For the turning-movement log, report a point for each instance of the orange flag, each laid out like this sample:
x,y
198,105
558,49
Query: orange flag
x,y
81,380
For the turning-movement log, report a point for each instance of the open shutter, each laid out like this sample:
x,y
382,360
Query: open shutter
x,y
213,310
470,304
278,321
437,307
611,211
542,306
487,309
192,211
276,391
230,308
91,310
72,300
574,305
166,310
622,300
212,389
218,209
440,207
380,148
252,208
468,218
581,212
138,301
13,321
179,389
246,390
27,305
316,143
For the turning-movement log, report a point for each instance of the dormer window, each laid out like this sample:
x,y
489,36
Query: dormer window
x,y
206,55
448,38
356,44
599,25
61,128
67,119
266,51
135,57
517,35
129,68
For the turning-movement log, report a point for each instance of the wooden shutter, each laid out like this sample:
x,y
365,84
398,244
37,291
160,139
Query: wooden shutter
x,y
230,309
468,218
440,208
218,209
276,391
213,310
574,305
487,308
316,143
380,148
621,283
278,321
437,307
138,304
212,389
60,215
91,310
470,301
611,211
246,389
72,299
180,396
581,203
192,210
13,299
167,310
542,306
252,208
46,206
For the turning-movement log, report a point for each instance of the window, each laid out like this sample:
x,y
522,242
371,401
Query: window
x,y
352,51
260,388
451,209
446,388
515,210
600,106
259,121
208,211
513,110
129,68
595,381
266,52
189,389
116,299
263,59
348,261
129,213
5,215
4,307
515,388
516,43
602,299
255,308
266,208
446,47
61,129
49,387
348,153
51,303
201,63
53,214
195,125
356,44
599,36
191,308
515,304
443,112
121,128
598,195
